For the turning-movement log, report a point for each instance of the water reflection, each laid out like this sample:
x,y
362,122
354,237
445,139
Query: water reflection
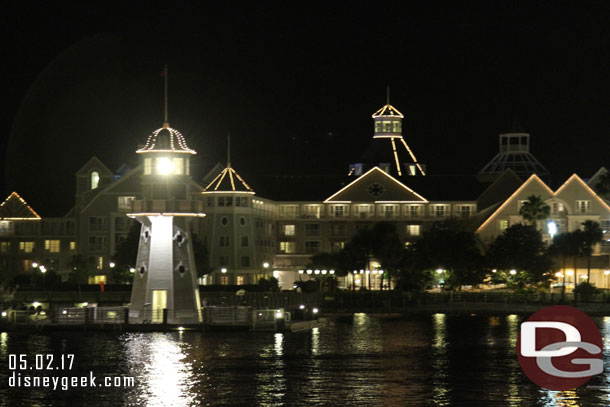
x,y
512,326
440,361
433,360
166,376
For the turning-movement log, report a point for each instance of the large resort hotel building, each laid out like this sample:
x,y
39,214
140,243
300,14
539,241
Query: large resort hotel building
x,y
258,227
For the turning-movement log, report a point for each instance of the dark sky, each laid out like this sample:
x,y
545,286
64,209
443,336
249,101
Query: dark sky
x,y
296,85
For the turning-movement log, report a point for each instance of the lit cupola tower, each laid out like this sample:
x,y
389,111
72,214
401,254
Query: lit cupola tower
x,y
231,207
388,147
165,277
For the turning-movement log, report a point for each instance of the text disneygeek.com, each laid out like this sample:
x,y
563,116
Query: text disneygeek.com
x,y
45,363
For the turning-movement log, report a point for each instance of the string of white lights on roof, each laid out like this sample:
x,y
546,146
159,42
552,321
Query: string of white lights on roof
x,y
151,142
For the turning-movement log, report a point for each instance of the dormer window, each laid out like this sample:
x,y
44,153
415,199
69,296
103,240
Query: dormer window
x,y
95,179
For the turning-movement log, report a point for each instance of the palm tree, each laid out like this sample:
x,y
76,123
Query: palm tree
x,y
592,234
534,209
561,249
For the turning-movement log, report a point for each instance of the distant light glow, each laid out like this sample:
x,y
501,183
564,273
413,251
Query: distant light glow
x,y
35,304
551,228
4,313
513,272
301,306
164,166
315,310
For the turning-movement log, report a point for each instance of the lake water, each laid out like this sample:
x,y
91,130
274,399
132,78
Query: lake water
x,y
435,360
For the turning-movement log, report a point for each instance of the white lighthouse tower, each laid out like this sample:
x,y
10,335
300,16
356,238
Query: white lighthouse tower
x,y
165,279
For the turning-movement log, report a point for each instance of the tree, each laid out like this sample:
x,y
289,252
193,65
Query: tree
x,y
127,250
534,209
202,257
449,246
563,248
337,261
592,235
521,248
381,242
79,270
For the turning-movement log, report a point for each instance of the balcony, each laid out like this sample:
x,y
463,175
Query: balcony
x,y
163,205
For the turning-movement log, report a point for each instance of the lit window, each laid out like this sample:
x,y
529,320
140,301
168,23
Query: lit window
x,y
288,210
465,211
224,280
440,211
288,230
95,179
312,211
26,247
338,211
503,225
583,206
125,203
5,247
396,126
178,165
51,246
388,211
100,263
287,247
387,126
97,279
240,280
72,245
414,210
413,230
147,166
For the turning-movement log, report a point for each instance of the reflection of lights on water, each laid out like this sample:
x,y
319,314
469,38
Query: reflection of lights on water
x,y
514,396
567,398
278,348
440,361
167,378
315,341
3,343
439,322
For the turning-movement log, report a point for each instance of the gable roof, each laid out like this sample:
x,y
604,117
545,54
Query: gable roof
x,y
576,179
534,178
96,163
15,207
386,188
531,180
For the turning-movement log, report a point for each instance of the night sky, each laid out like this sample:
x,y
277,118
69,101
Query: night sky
x,y
296,85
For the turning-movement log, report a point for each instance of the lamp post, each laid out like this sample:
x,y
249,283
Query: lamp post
x,y
43,270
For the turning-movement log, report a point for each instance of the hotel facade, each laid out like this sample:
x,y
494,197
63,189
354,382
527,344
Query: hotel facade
x,y
250,235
